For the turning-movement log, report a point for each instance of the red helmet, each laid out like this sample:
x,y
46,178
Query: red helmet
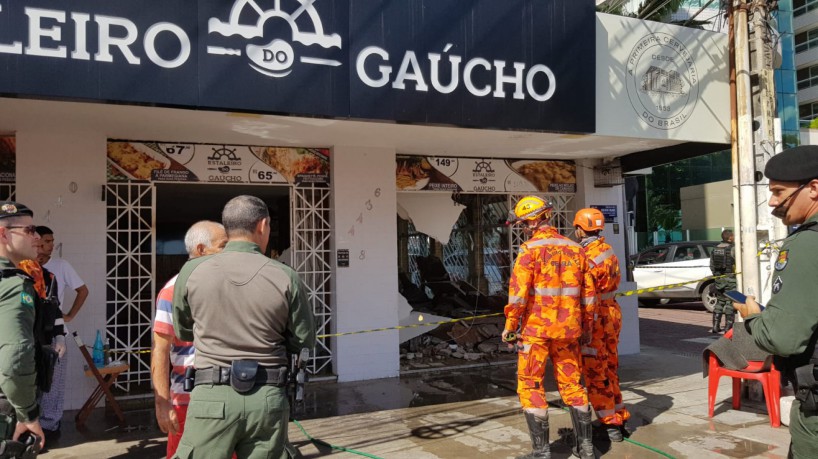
x,y
590,219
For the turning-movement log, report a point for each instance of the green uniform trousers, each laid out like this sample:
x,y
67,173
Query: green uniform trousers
x,y
221,421
804,432
724,305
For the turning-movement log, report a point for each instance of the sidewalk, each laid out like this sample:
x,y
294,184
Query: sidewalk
x,y
473,413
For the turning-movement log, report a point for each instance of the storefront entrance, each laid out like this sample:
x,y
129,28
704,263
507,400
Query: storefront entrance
x,y
152,197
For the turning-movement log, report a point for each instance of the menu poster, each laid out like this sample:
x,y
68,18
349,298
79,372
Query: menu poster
x,y
483,175
8,159
187,162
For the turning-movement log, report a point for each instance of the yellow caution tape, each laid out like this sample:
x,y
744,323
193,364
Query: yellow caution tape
x,y
669,286
400,327
427,324
483,316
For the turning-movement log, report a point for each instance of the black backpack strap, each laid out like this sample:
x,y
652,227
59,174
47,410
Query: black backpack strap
x,y
11,272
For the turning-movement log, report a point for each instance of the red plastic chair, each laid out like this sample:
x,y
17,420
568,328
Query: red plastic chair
x,y
770,382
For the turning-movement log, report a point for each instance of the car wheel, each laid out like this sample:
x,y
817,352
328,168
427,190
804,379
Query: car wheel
x,y
709,298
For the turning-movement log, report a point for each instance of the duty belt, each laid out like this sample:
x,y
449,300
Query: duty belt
x,y
276,376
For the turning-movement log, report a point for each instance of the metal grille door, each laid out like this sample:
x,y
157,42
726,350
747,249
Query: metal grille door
x,y
129,279
312,259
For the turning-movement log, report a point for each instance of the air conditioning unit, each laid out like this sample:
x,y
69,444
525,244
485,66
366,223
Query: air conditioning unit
x,y
608,174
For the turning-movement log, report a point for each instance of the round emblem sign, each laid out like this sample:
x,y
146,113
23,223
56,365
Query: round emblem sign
x,y
662,81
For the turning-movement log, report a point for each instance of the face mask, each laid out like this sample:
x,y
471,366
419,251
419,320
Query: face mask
x,y
780,211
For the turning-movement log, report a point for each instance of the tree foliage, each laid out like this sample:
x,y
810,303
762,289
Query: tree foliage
x,y
658,10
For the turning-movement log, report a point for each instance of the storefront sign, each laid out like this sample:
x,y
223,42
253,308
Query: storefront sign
x,y
522,64
186,162
484,175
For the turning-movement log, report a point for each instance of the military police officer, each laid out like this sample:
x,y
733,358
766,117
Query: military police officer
x,y
723,263
19,411
244,312
788,327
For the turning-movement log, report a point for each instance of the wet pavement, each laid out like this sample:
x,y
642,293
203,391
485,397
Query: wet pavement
x,y
473,412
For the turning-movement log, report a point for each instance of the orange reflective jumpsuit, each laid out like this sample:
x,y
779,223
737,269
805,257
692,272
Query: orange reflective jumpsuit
x,y
600,360
551,294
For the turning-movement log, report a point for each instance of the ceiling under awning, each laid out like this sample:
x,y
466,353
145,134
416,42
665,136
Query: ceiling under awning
x,y
183,125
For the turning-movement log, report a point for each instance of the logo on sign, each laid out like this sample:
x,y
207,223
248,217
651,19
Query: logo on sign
x,y
274,58
222,162
483,174
663,82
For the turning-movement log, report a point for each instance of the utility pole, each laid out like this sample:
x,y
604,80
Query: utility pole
x,y
755,141
747,238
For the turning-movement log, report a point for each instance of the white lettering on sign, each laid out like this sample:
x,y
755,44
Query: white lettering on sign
x,y
46,38
48,33
522,81
36,32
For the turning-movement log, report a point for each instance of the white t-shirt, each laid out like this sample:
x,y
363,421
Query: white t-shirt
x,y
67,278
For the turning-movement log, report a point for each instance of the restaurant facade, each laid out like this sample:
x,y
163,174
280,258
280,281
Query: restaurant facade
x,y
380,134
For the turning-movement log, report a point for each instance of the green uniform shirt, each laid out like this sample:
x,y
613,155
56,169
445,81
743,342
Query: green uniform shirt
x,y
787,326
17,370
241,305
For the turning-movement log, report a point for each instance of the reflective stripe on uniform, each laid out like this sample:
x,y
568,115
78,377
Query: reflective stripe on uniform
x,y
556,291
586,300
515,300
607,296
603,256
603,413
551,241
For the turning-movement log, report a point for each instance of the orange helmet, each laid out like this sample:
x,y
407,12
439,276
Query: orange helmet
x,y
590,219
529,208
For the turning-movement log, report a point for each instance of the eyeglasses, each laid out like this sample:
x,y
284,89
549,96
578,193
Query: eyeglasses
x,y
31,230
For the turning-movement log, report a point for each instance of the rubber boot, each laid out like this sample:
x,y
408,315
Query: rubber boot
x,y
716,323
584,447
614,432
538,431
728,322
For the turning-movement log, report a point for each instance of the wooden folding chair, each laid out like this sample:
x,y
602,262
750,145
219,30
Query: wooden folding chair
x,y
104,383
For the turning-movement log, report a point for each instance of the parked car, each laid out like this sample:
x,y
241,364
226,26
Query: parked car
x,y
674,263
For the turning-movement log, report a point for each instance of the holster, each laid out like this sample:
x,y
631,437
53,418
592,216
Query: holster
x,y
243,375
190,378
45,358
806,387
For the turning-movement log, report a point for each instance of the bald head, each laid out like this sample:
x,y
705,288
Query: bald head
x,y
205,238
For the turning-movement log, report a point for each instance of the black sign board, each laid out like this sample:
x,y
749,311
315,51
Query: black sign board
x,y
511,64
343,258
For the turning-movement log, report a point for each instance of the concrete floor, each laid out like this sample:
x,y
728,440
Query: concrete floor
x,y
474,413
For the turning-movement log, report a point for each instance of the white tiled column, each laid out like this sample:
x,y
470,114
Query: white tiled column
x,y
365,223
50,158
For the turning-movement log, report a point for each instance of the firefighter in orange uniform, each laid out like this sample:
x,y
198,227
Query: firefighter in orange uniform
x,y
600,359
550,310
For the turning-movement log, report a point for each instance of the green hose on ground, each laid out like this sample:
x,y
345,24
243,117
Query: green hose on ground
x,y
328,445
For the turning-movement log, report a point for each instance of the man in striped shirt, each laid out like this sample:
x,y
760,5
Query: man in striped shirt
x,y
203,238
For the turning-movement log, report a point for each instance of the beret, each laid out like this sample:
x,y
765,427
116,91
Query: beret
x,y
14,209
798,164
